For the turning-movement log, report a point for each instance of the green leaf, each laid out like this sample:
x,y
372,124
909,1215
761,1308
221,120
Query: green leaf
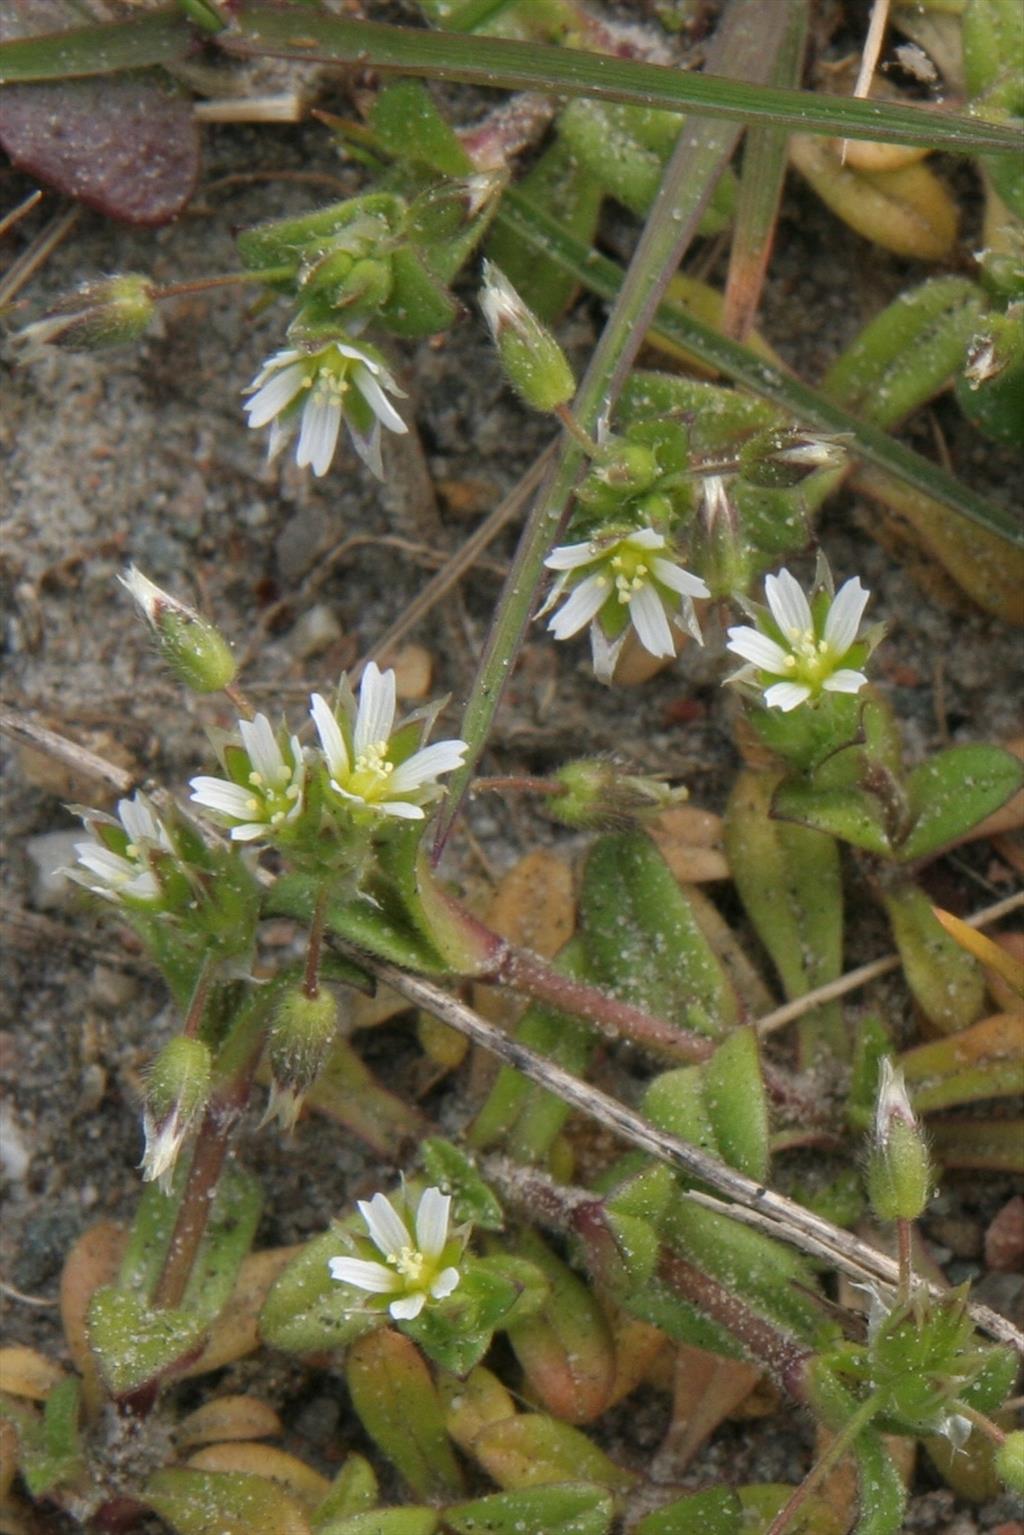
x,y
353,1491
385,1521
849,814
408,126
457,1332
569,1508
306,1309
135,1342
566,1349
716,1511
642,938
156,37
295,32
737,1104
881,1494
379,929
49,1449
789,881
398,1405
455,1173
947,982
531,1450
950,793
223,1503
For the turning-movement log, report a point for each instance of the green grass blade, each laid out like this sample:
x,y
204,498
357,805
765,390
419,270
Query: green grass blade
x,y
103,49
604,277
292,32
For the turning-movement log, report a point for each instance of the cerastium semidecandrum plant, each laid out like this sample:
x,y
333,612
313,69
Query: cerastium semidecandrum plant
x,y
665,492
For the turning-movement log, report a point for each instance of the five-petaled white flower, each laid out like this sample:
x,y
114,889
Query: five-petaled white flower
x,y
317,390
613,582
265,790
117,860
374,766
802,655
414,1268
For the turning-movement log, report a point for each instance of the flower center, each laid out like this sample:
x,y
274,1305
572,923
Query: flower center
x,y
371,772
328,382
810,659
631,572
410,1263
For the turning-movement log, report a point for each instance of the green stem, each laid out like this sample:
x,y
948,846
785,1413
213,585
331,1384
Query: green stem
x,y
701,154
225,280
867,1410
234,1072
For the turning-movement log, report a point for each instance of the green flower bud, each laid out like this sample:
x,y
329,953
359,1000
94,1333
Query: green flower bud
x,y
532,359
301,1035
176,1093
1010,1461
899,1173
778,460
593,792
109,312
193,648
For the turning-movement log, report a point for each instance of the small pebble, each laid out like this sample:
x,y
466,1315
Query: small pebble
x,y
15,1153
1004,1239
316,631
50,853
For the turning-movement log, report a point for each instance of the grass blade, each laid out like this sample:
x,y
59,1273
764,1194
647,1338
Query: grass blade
x,y
292,32
103,49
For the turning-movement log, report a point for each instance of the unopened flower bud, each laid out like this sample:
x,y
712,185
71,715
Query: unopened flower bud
x,y
111,311
1010,1461
780,459
193,648
595,793
301,1036
532,359
176,1094
899,1174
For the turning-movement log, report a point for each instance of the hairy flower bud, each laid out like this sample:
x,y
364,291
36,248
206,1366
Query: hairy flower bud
x,y
1010,1461
176,1093
899,1174
780,459
301,1035
533,361
593,792
111,311
193,648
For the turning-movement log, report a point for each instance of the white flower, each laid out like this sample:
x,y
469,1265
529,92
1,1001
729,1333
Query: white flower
x,y
266,791
116,861
808,654
373,766
413,1270
628,581
319,389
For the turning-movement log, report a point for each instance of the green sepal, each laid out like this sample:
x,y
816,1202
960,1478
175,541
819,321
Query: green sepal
x,y
642,938
397,1402
456,1332
49,1448
621,1251
565,1508
134,1342
455,1173
284,241
353,1491
418,304
806,737
954,790
306,1310
408,126
948,983
674,1101
994,1381
789,881
908,352
222,1503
